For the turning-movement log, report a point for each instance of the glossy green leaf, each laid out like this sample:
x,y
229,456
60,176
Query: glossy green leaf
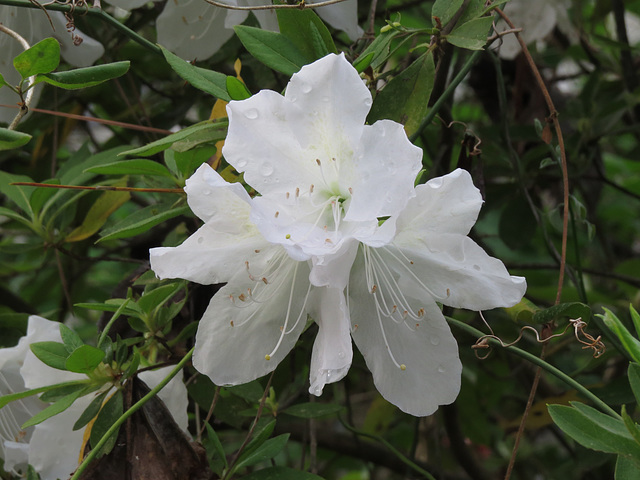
x,y
62,391
53,354
633,373
90,412
635,318
10,139
629,342
471,35
158,296
217,445
110,412
523,311
54,409
307,31
183,164
139,166
190,137
12,397
380,49
312,410
98,215
260,436
237,90
3,82
632,427
70,338
273,49
626,469
444,10
213,83
84,359
85,77
19,194
573,310
405,99
43,57
266,451
143,220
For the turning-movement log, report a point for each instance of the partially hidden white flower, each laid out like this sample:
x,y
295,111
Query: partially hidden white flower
x,y
326,183
537,20
193,29
33,25
53,447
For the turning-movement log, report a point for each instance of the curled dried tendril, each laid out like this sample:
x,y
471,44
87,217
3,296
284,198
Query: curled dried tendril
x,y
578,325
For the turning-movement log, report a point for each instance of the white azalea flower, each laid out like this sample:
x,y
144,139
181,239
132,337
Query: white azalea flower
x,y
537,20
193,29
33,25
52,447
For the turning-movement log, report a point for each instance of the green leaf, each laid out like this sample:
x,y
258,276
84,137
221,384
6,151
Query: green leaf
x,y
471,35
405,98
43,57
98,215
112,305
273,49
212,131
215,442
90,412
380,48
260,437
14,216
564,310
139,166
3,82
53,354
10,139
143,220
307,31
237,90
635,318
158,296
20,195
12,397
445,10
54,409
208,81
62,391
632,427
312,410
110,412
629,342
593,429
183,164
626,469
282,473
363,62
523,311
266,451
70,338
634,380
84,77
84,359
41,194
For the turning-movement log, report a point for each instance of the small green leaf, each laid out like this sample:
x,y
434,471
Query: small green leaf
x,y
380,48
208,81
523,311
43,57
3,82
217,445
266,451
237,90
634,380
62,391
260,437
626,469
54,409
471,35
85,77
110,412
70,338
312,410
363,62
158,296
98,215
564,310
10,139
629,342
307,31
444,10
53,354
273,49
405,98
84,359
632,427
139,166
183,164
143,220
635,318
90,412
282,473
213,131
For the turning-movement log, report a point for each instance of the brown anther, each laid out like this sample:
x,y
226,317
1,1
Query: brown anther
x,y
421,312
241,297
277,213
287,195
318,161
374,288
281,328
328,240
231,323
311,188
448,292
265,280
257,251
297,192
411,262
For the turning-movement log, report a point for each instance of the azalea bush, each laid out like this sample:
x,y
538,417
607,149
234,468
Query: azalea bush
x,y
340,240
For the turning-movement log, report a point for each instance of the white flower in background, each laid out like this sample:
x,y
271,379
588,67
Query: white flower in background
x,y
325,181
537,20
52,447
193,29
33,25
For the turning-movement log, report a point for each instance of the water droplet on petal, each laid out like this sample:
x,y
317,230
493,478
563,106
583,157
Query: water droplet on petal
x,y
388,198
436,182
293,98
435,340
476,267
206,191
241,163
200,239
326,99
251,114
341,355
368,102
305,87
266,169
440,369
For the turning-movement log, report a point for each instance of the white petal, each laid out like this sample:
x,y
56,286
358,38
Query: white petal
x,y
454,270
414,362
241,329
332,353
387,167
174,393
81,55
343,16
536,19
447,204
192,29
267,18
333,270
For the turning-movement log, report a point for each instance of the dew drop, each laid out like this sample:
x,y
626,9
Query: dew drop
x,y
341,355
266,169
435,183
388,198
476,267
293,98
326,99
200,239
435,340
368,102
241,163
206,192
305,87
440,369
251,114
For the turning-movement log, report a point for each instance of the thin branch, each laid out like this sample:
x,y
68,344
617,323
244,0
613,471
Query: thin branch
x,y
100,187
300,6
